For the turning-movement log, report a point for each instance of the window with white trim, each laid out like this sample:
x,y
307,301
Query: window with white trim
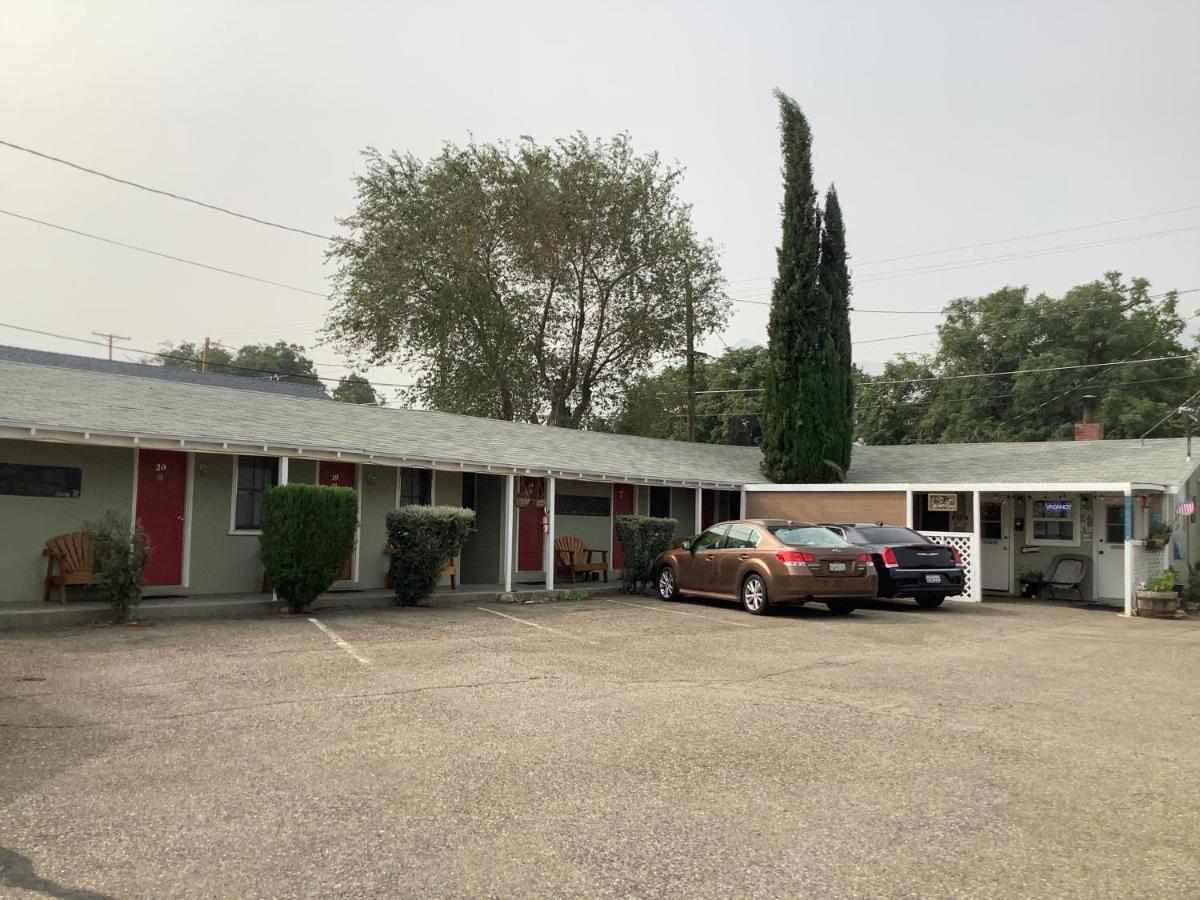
x,y
254,475
1054,520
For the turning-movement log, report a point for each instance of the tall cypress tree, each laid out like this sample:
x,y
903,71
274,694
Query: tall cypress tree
x,y
834,279
797,421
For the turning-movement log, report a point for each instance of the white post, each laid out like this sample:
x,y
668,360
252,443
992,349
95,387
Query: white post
x,y
283,479
1128,550
742,505
908,510
507,520
548,549
699,510
976,549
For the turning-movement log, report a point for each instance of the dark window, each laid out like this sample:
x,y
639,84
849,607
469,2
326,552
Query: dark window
x,y
741,537
807,536
891,534
1114,524
580,505
416,487
40,481
711,539
254,475
660,502
468,490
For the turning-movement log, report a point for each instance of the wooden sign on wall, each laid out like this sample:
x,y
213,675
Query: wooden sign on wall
x,y
942,502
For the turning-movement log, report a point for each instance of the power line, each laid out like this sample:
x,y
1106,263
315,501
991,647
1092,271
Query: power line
x,y
173,196
873,382
179,259
195,359
1009,240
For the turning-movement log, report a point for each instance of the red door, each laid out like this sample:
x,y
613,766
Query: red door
x,y
338,474
531,540
161,508
624,503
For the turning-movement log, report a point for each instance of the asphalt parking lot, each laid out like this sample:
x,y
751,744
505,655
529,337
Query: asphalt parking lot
x,y
612,747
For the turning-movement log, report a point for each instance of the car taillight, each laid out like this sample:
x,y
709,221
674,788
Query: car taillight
x,y
794,557
957,556
889,557
864,557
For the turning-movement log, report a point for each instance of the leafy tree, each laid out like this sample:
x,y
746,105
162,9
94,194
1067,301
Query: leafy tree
x,y
280,361
522,282
656,405
354,388
1104,321
803,409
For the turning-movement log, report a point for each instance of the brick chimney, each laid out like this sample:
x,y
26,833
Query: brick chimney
x,y
1089,429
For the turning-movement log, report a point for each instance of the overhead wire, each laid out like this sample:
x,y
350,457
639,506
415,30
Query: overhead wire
x,y
171,194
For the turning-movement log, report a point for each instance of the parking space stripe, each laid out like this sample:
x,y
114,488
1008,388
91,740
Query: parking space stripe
x,y
573,637
344,644
679,612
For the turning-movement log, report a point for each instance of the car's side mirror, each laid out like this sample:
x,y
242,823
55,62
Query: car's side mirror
x,y
687,545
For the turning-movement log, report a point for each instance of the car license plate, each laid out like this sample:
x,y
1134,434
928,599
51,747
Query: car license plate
x,y
837,567
933,579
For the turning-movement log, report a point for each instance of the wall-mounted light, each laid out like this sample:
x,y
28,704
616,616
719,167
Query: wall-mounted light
x,y
201,468
372,478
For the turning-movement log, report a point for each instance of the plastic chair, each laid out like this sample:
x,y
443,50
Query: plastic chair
x,y
1066,573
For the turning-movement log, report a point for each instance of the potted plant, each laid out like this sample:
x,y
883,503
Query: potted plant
x,y
1157,599
1031,583
1157,536
1191,593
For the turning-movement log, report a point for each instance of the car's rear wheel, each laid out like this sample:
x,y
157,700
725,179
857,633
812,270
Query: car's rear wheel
x,y
841,607
929,602
754,595
668,589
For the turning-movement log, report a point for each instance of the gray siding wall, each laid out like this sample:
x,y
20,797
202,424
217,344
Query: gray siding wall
x,y
27,522
221,562
683,511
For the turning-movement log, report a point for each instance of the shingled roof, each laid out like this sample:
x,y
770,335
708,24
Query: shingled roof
x,y
161,373
101,403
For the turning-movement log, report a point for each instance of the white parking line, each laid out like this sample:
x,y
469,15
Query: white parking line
x,y
495,612
680,612
344,644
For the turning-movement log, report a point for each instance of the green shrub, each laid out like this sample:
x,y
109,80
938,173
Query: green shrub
x,y
642,540
120,552
308,533
422,541
1164,583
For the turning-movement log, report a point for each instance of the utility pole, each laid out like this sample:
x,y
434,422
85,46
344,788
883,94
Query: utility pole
x,y
204,356
690,325
111,337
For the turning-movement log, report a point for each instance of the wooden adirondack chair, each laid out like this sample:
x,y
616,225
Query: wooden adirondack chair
x,y
72,553
573,557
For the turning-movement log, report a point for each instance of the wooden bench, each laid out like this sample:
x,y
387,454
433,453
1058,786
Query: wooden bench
x,y
72,554
573,557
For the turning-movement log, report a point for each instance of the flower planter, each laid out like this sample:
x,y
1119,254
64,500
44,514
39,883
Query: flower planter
x,y
521,502
1030,588
1157,604
1154,544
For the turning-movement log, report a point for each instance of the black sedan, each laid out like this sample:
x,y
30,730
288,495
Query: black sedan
x,y
909,565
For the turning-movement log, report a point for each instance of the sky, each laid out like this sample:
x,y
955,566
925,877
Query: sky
x,y
943,124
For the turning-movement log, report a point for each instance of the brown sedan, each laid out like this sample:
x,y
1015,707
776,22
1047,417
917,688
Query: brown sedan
x,y
762,562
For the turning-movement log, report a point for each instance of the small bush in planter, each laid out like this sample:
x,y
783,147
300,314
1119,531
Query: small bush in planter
x,y
422,540
120,552
308,534
642,539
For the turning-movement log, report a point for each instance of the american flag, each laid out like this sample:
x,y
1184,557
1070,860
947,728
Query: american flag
x,y
1186,508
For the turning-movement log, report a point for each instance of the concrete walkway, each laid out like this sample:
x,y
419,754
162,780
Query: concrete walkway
x,y
78,612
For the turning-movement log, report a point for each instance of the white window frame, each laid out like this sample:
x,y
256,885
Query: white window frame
x,y
233,529
1047,542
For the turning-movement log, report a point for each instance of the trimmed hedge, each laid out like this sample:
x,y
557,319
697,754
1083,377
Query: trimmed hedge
x,y
642,540
422,541
308,533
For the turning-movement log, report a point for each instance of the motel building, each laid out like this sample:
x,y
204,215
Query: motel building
x,y
190,456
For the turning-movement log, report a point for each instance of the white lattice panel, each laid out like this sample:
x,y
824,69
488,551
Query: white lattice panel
x,y
1147,564
964,542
